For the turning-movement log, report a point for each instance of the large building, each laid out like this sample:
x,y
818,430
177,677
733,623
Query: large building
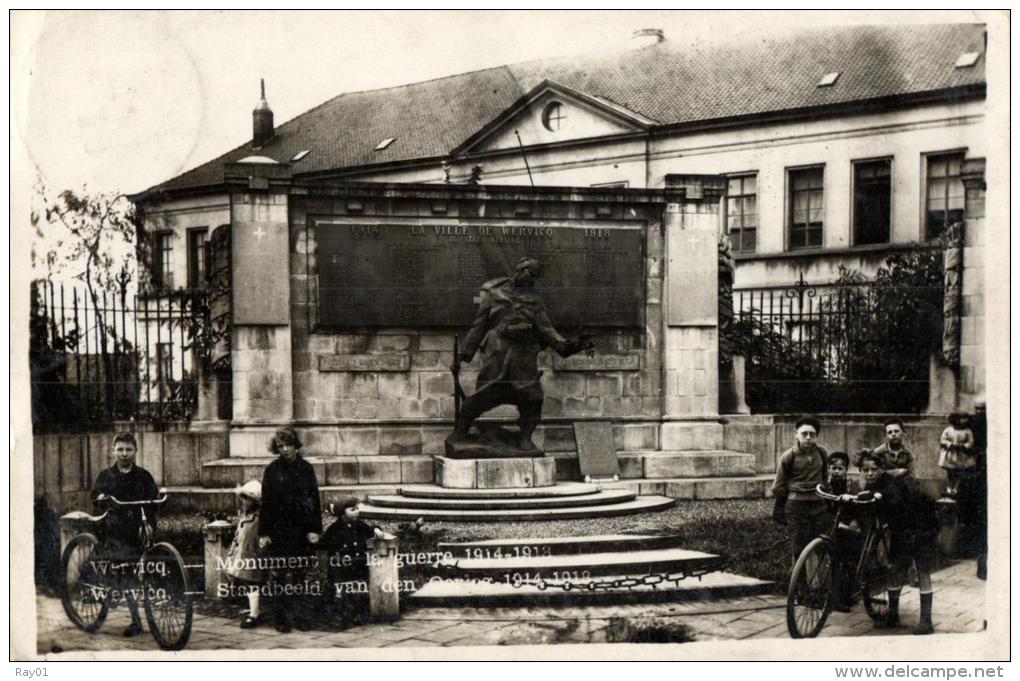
x,y
839,146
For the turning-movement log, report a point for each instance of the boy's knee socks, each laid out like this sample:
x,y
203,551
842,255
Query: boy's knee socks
x,y
894,605
926,602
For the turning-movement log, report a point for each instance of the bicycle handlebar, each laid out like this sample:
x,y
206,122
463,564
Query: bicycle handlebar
x,y
145,502
835,497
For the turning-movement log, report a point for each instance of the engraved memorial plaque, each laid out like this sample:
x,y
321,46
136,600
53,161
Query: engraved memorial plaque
x,y
429,273
596,453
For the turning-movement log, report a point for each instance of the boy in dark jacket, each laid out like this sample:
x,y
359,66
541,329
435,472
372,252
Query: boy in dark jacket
x,y
913,527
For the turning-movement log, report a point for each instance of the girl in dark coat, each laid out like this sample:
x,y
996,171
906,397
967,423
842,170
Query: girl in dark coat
x,y
290,520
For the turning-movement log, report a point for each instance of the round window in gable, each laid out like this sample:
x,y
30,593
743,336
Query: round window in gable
x,y
553,116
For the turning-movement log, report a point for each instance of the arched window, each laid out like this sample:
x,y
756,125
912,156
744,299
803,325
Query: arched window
x,y
553,116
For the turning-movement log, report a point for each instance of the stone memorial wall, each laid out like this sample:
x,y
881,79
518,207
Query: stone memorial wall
x,y
375,359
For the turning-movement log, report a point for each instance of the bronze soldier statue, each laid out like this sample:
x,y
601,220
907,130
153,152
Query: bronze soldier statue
x,y
510,328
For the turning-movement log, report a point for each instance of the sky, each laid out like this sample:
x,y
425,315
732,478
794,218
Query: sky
x,y
118,101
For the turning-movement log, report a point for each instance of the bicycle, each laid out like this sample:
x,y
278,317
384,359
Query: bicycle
x,y
90,590
815,582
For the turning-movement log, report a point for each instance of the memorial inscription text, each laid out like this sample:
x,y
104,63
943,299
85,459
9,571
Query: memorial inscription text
x,y
430,274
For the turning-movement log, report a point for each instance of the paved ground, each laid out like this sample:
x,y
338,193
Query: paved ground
x,y
959,607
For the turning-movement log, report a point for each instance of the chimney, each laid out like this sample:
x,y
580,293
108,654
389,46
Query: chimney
x,y
644,37
262,122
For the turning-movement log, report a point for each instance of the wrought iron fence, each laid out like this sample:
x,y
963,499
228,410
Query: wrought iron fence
x,y
109,357
851,346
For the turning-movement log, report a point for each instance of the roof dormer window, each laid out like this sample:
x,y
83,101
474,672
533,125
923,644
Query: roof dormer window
x,y
553,116
967,59
385,143
829,79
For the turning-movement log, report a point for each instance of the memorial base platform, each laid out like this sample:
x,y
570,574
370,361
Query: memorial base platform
x,y
494,473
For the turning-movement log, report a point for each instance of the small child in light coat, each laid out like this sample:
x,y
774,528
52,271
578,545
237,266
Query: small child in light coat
x,y
956,451
243,553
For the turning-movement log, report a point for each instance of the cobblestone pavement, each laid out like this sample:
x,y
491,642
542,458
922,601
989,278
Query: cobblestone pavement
x,y
959,607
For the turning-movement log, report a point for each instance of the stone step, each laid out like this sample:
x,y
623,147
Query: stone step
x,y
714,585
217,500
598,498
716,463
563,489
330,470
556,546
748,487
641,504
590,564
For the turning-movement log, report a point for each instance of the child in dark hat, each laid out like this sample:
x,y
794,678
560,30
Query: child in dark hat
x,y
346,544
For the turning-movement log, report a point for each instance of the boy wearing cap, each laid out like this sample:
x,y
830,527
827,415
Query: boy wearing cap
x,y
242,556
800,469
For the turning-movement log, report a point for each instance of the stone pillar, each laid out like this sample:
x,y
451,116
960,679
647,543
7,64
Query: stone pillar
x,y
383,579
732,386
218,535
73,524
942,392
691,324
260,349
972,322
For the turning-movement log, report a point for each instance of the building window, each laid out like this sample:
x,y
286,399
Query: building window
x,y
806,207
872,201
944,195
196,257
742,212
622,184
163,260
553,117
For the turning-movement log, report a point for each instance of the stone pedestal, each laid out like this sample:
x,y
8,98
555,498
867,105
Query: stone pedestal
x,y
73,524
218,535
383,579
494,473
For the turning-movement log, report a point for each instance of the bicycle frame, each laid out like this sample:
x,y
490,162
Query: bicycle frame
x,y
165,590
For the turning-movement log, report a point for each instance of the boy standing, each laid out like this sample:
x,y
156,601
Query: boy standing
x,y
913,528
895,458
125,481
800,469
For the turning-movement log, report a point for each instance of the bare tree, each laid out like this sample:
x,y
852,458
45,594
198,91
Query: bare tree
x,y
96,239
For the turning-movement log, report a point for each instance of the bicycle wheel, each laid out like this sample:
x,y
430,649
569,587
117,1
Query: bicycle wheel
x,y
874,576
86,597
168,606
809,600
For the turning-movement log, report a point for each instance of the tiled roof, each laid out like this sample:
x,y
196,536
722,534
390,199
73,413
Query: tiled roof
x,y
675,82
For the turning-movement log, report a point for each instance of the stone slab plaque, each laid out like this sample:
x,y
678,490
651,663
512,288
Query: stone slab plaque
x,y
428,273
383,362
692,278
596,453
261,287
599,362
